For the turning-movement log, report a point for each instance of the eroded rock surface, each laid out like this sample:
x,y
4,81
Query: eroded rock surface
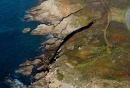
x,y
96,57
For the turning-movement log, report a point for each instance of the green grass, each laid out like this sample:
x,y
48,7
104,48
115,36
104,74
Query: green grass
x,y
60,76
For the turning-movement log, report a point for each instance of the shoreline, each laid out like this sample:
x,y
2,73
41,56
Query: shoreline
x,y
60,25
63,20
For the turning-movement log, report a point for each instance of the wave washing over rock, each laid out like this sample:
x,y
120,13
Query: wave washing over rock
x,y
17,84
89,47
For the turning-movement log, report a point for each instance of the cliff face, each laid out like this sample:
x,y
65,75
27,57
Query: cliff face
x,y
90,44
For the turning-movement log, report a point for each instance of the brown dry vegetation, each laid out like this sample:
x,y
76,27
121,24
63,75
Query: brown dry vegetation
x,y
95,58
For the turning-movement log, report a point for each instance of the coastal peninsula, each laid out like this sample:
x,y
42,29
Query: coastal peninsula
x,y
89,47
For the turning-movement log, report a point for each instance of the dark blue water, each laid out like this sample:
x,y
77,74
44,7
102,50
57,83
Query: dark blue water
x,y
15,47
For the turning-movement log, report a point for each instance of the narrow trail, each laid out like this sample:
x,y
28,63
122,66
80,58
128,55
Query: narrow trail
x,y
108,23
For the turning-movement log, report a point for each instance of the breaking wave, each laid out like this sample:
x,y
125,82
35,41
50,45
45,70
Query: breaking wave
x,y
17,84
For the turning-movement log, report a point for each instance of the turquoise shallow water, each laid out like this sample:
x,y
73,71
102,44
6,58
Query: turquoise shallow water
x,y
15,47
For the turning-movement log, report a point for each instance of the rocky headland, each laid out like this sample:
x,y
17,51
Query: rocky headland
x,y
89,47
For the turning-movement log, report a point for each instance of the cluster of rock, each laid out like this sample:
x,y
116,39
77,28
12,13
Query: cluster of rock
x,y
61,18
58,20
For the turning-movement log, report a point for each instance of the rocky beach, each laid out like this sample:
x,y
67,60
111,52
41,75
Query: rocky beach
x,y
89,47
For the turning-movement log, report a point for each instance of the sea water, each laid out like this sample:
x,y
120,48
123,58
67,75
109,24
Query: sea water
x,y
16,47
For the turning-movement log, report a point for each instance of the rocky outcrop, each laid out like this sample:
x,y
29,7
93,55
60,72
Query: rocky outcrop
x,y
26,70
45,30
83,46
45,13
26,30
28,66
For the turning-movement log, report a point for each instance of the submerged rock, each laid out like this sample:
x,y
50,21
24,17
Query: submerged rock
x,y
26,30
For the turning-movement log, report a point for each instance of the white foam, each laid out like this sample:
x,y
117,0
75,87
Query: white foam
x,y
17,84
50,36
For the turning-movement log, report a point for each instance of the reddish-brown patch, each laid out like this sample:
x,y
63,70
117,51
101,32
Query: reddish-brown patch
x,y
119,37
